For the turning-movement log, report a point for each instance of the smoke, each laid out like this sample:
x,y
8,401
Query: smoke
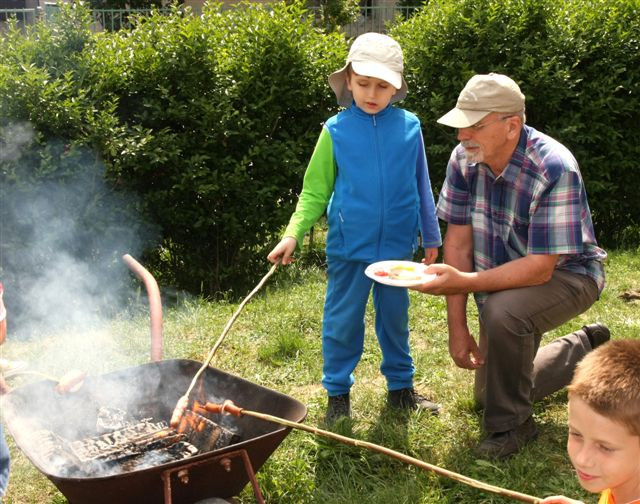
x,y
63,231
13,140
101,429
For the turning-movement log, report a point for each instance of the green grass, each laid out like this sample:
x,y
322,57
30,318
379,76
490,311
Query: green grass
x,y
275,342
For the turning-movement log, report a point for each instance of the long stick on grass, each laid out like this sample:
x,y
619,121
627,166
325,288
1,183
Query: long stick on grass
x,y
397,455
227,327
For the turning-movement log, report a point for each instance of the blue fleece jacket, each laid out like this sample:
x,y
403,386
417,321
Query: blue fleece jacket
x,y
370,173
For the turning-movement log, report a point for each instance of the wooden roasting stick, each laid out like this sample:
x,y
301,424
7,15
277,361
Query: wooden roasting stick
x,y
183,402
231,409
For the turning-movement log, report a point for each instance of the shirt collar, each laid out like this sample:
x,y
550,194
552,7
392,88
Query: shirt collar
x,y
514,166
358,112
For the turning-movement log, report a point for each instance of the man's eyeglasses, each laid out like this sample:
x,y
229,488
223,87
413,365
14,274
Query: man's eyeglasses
x,y
480,126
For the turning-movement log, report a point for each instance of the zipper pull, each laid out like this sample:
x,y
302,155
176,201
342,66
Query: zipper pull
x,y
374,119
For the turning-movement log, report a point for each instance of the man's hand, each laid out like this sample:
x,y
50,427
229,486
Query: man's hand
x,y
463,348
448,280
524,272
283,251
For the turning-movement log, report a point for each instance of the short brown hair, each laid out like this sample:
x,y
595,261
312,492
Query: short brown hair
x,y
608,380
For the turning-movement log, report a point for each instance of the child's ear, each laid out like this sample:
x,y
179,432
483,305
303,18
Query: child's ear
x,y
347,77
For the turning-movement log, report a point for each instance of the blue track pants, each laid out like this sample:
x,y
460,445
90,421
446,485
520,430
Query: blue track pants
x,y
343,328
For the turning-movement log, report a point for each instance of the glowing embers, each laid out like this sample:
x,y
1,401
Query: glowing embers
x,y
125,444
204,432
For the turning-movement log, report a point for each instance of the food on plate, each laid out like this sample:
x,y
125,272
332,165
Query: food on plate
x,y
404,273
398,273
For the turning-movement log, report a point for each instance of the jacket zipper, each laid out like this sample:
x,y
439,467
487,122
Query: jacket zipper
x,y
380,185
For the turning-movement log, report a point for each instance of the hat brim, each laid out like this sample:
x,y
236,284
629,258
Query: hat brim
x,y
378,71
459,118
338,82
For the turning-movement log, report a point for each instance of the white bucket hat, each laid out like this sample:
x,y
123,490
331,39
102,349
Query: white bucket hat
x,y
482,95
373,55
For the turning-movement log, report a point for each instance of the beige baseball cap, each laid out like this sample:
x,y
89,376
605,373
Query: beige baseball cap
x,y
482,95
373,55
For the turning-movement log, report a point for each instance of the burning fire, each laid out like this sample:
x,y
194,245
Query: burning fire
x,y
194,419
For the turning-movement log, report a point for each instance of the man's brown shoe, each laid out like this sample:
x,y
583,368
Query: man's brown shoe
x,y
502,445
597,334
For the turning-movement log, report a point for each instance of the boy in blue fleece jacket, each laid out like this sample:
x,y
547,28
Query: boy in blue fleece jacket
x,y
369,172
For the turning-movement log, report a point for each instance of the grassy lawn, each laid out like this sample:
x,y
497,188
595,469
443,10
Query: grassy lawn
x,y
276,343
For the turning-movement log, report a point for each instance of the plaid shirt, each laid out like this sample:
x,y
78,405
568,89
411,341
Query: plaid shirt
x,y
538,205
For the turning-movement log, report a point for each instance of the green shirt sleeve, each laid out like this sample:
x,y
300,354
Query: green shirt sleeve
x,y
317,188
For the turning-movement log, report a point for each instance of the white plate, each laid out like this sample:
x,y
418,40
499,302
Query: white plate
x,y
386,266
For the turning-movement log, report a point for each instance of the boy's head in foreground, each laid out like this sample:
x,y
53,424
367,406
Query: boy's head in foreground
x,y
372,76
604,420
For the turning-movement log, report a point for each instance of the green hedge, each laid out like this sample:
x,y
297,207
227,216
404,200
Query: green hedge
x,y
209,120
578,63
220,114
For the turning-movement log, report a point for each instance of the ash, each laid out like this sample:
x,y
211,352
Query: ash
x,y
110,419
128,445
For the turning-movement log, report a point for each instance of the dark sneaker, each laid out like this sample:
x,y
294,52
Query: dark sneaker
x,y
338,407
502,445
409,399
597,334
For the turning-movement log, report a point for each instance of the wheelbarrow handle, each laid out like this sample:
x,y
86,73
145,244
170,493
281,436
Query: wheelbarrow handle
x,y
155,304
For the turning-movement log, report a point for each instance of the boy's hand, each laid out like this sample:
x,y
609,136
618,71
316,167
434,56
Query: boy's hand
x,y
283,251
430,256
4,387
560,499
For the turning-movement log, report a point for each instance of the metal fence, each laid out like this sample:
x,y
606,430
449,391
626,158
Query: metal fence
x,y
378,18
22,15
117,19
371,18
103,19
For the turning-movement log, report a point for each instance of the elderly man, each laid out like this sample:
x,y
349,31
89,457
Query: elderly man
x,y
520,237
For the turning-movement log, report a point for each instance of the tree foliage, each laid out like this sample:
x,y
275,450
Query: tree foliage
x,y
336,13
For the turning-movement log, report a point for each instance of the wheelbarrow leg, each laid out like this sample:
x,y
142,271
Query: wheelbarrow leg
x,y
225,461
